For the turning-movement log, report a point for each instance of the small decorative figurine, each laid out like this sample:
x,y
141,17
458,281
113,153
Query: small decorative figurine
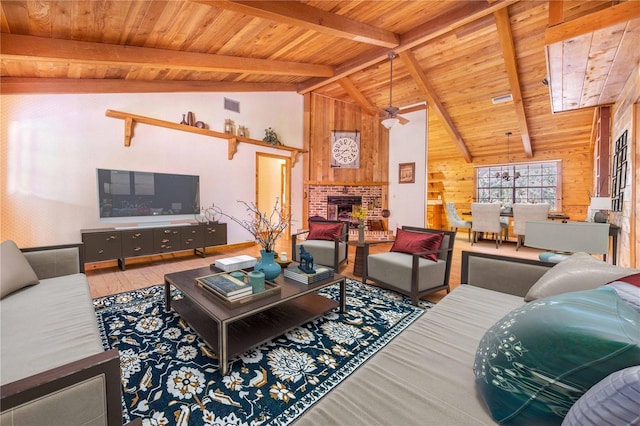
x,y
306,262
229,127
243,132
271,137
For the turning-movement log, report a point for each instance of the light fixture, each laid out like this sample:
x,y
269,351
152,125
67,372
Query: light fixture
x,y
596,207
505,175
390,122
390,111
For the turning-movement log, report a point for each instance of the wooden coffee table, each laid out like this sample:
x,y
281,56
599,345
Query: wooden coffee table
x,y
230,331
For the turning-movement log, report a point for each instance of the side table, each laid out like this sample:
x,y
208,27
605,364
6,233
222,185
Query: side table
x,y
357,263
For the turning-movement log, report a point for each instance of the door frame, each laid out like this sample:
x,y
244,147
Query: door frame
x,y
284,178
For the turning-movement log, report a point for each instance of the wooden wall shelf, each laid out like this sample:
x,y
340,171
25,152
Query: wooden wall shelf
x,y
130,119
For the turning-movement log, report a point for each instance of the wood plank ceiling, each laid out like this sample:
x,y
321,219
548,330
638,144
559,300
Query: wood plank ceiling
x,y
453,55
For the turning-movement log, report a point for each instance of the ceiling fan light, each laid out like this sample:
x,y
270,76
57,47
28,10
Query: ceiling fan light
x,y
390,122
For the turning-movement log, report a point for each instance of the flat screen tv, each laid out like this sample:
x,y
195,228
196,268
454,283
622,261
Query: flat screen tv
x,y
129,195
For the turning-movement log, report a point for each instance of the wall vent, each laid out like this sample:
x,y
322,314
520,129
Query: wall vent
x,y
231,105
502,99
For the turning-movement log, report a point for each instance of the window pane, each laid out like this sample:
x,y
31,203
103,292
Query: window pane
x,y
519,183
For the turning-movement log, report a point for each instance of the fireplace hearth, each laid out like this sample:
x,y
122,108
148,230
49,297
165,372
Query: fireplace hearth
x,y
340,207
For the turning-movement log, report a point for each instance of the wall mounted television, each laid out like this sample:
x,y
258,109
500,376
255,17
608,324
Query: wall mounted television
x,y
126,196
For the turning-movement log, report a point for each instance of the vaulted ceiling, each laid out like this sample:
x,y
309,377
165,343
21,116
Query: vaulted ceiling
x,y
454,55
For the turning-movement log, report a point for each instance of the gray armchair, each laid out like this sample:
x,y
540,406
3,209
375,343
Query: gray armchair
x,y
411,274
330,248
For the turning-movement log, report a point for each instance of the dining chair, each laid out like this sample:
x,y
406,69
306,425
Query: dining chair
x,y
522,213
455,221
486,219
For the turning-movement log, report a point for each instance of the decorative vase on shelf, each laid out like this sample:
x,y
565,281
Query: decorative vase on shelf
x,y
360,231
267,265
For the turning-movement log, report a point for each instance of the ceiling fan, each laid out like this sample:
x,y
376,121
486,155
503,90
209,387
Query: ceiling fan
x,y
389,115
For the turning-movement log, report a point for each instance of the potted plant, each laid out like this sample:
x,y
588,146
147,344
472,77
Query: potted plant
x,y
265,228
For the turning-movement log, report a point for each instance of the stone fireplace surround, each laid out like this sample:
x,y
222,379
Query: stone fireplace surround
x,y
371,200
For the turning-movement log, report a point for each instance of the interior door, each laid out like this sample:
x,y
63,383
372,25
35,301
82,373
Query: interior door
x,y
273,180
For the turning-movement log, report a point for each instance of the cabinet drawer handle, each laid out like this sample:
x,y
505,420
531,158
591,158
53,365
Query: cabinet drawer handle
x,y
136,235
211,231
100,251
137,249
167,231
165,241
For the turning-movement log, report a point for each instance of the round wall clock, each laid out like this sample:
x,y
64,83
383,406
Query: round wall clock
x,y
345,152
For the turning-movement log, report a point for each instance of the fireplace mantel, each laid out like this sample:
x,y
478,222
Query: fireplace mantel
x,y
340,183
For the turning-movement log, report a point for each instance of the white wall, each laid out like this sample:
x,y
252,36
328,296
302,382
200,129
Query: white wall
x,y
407,144
53,144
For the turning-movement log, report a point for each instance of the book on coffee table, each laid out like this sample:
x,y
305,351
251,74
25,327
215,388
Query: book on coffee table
x,y
294,273
235,263
226,285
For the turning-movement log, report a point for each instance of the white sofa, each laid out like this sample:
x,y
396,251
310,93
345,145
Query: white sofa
x,y
54,370
425,375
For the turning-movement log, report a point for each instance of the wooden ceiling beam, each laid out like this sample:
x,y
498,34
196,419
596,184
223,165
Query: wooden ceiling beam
x,y
509,54
357,96
311,18
468,12
32,48
595,21
13,86
410,61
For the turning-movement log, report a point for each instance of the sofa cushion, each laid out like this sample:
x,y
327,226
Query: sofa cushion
x,y
615,400
416,242
581,271
324,230
538,360
17,273
47,325
422,376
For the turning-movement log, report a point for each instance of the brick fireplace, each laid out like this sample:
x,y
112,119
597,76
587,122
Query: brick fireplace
x,y
336,202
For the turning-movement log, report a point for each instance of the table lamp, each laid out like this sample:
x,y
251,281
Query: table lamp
x,y
596,207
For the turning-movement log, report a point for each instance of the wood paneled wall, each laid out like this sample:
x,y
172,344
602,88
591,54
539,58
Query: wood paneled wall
x,y
326,115
458,183
322,116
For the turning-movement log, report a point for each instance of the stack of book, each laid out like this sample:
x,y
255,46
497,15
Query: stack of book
x,y
225,286
294,273
235,263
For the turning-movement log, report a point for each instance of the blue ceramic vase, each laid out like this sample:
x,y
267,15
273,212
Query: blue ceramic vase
x,y
267,265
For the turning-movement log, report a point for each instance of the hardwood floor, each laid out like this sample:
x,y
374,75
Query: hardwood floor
x,y
106,278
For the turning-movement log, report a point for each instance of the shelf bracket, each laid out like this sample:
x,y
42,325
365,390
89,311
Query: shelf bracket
x,y
294,156
233,147
128,131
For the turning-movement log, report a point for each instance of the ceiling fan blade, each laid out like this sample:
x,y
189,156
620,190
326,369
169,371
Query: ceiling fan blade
x,y
402,120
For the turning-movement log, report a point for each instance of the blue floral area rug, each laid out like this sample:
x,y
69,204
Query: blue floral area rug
x,y
171,377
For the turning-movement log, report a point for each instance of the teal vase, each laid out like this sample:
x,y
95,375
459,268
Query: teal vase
x,y
267,265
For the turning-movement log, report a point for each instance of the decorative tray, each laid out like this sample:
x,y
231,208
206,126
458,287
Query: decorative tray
x,y
270,289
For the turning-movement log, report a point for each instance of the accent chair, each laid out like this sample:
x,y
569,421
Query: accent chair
x,y
418,263
326,240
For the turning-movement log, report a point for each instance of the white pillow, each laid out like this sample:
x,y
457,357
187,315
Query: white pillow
x,y
580,271
16,270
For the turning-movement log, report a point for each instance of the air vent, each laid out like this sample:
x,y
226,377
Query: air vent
x,y
231,105
502,99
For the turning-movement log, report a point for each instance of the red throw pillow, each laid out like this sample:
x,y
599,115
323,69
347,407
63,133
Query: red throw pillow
x,y
633,279
324,231
416,242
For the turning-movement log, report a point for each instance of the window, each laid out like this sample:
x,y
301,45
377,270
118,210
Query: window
x,y
619,173
507,184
